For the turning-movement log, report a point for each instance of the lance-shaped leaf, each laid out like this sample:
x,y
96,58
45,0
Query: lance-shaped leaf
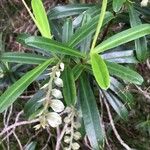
x,y
23,58
117,4
52,46
67,10
123,37
69,88
41,18
117,105
88,29
100,71
141,43
90,113
124,73
14,91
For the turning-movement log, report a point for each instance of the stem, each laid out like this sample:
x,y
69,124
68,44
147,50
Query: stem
x,y
100,22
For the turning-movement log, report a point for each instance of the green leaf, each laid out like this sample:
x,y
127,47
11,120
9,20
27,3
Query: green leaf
x,y
77,70
123,37
90,113
100,71
120,90
34,103
23,58
67,30
67,10
123,56
124,73
141,43
14,91
117,4
69,88
117,105
88,29
52,46
41,18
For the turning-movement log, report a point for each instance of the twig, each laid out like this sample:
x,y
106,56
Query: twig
x,y
114,128
18,124
60,137
19,142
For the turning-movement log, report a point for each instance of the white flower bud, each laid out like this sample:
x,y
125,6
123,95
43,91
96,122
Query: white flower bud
x,y
37,127
77,135
68,110
67,119
58,82
68,130
58,74
75,146
57,93
77,125
67,139
144,3
57,105
62,66
54,119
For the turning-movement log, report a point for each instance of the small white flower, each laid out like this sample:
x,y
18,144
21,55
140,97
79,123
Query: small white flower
x,y
57,105
67,119
58,74
77,135
75,146
57,93
67,139
59,82
77,125
62,66
144,3
68,130
68,110
54,119
37,127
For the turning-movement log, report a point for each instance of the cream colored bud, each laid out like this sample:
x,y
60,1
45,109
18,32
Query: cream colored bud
x,y
54,119
67,120
67,139
57,105
77,135
37,127
144,3
58,82
66,148
62,66
58,74
75,146
77,125
68,130
57,93
68,110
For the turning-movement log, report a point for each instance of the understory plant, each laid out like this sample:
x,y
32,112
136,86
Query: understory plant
x,y
84,61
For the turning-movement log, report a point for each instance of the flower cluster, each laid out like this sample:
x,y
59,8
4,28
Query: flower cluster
x,y
72,135
52,100
144,3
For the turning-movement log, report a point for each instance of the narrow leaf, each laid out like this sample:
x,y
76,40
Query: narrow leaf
x,y
117,4
141,43
123,37
14,91
41,18
23,58
91,117
124,73
100,71
69,88
52,46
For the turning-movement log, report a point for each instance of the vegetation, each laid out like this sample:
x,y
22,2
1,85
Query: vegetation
x,y
81,72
